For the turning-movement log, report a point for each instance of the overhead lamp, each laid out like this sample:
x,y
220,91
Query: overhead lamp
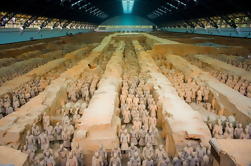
x,y
161,10
84,6
127,6
180,2
172,6
76,3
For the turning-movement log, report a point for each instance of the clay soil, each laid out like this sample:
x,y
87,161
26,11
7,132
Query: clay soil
x,y
198,39
132,62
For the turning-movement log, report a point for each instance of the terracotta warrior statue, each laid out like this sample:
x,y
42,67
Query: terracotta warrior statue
x,y
124,140
115,160
148,152
134,160
148,162
48,159
71,160
62,155
238,131
103,155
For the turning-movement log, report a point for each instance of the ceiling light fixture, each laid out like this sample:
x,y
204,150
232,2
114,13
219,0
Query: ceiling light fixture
x,y
127,6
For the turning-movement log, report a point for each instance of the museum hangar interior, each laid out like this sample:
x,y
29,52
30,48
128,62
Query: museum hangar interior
x,y
125,83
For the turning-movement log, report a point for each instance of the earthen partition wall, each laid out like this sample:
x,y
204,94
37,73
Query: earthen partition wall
x,y
100,123
178,120
222,66
232,101
13,156
14,126
189,49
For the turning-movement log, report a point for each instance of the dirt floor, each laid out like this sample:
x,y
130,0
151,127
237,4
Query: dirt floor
x,y
206,39
120,94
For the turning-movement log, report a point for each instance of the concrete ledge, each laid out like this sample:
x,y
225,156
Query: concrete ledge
x,y
230,32
11,35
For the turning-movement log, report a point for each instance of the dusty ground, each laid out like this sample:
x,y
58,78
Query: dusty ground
x,y
207,39
113,59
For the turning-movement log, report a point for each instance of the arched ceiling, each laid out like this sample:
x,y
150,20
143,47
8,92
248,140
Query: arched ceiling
x,y
97,11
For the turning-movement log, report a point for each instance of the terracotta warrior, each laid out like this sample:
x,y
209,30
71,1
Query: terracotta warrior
x,y
96,160
71,160
46,121
152,121
137,124
134,137
187,151
44,141
134,160
153,109
194,161
133,150
200,150
48,159
148,138
62,155
245,134
85,93
199,96
117,151
148,151
58,132
49,131
205,160
9,110
213,102
217,130
249,130
66,136
7,101
16,103
229,130
126,116
103,155
177,161
31,142
160,153
124,140
188,95
249,91
164,161
154,134
142,134
208,107
148,162
79,155
238,131
72,94
115,160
